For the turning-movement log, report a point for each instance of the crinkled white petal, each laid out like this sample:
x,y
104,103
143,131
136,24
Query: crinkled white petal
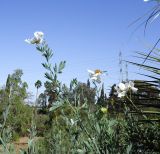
x,y
97,74
127,86
90,71
72,122
38,35
41,41
37,39
93,78
122,94
134,89
122,86
116,88
131,84
34,41
28,41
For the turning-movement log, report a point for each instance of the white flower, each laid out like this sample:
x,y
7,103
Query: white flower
x,y
122,94
37,39
151,0
131,86
122,88
95,75
72,122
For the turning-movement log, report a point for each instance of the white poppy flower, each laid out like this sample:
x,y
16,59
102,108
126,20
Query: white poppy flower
x,y
95,75
122,88
37,39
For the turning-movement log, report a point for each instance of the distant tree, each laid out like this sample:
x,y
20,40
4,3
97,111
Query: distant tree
x,y
85,92
19,88
19,115
15,86
38,84
8,84
102,100
42,100
88,83
51,91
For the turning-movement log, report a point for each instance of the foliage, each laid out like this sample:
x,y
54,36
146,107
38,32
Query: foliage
x,y
81,119
17,112
75,128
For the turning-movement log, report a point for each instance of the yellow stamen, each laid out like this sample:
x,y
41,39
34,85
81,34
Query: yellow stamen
x,y
98,71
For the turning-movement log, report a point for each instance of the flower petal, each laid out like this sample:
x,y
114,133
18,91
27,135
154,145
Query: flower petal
x,y
28,41
134,89
38,34
122,94
122,86
90,71
131,84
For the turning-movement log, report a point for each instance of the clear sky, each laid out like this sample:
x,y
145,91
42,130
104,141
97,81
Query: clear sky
x,y
88,34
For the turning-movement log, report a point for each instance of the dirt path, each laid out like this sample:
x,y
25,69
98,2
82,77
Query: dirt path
x,y
22,143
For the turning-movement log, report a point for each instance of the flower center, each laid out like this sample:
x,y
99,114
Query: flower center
x,y
97,71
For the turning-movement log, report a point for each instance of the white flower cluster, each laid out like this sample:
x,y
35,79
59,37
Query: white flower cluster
x,y
123,88
37,39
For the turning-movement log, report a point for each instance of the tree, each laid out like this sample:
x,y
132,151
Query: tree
x,y
38,84
42,100
12,102
102,100
85,92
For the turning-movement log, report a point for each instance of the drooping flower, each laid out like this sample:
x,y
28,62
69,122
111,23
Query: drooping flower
x,y
95,75
123,88
37,39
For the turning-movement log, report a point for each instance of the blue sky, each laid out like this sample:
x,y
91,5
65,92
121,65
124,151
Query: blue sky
x,y
88,34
